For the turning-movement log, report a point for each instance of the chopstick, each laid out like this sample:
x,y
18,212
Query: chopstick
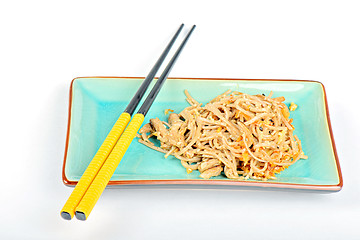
x,y
95,190
98,160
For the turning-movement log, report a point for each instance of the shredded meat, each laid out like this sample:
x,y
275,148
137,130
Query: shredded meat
x,y
244,136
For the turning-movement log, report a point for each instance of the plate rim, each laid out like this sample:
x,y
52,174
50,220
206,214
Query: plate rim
x,y
334,187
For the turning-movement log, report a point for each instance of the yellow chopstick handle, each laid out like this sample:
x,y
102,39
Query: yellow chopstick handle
x,y
90,173
101,180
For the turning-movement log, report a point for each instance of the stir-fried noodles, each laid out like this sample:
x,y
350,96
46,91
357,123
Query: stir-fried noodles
x,y
244,136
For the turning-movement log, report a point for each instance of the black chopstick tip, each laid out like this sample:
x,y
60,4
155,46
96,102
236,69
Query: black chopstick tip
x,y
152,95
141,91
66,215
80,216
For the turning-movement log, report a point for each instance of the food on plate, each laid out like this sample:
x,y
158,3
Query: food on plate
x,y
240,135
293,106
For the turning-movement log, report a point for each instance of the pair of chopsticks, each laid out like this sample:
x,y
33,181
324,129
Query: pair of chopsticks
x,y
97,175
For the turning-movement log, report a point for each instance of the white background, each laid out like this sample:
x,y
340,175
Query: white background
x,y
45,44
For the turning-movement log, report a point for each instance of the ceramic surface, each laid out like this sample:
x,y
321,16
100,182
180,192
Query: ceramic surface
x,y
97,102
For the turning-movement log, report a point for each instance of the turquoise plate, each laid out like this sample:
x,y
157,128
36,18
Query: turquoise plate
x,y
97,102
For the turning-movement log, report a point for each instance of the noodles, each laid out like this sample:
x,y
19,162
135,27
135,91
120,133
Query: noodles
x,y
243,136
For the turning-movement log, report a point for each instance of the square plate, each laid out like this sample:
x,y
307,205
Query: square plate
x,y
97,102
